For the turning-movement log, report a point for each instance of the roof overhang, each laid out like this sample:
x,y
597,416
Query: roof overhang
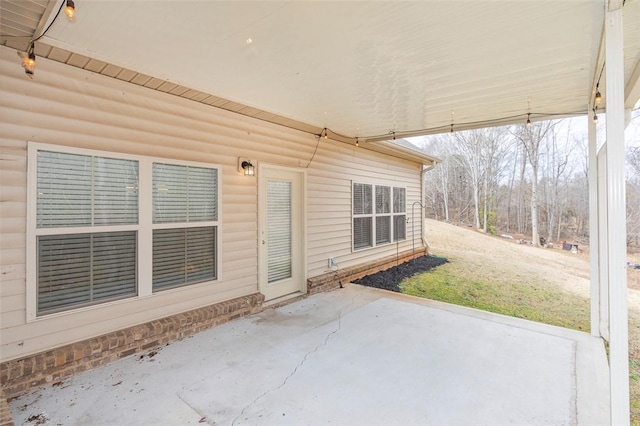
x,y
367,71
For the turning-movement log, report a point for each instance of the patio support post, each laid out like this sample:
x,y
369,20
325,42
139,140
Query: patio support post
x,y
616,225
593,228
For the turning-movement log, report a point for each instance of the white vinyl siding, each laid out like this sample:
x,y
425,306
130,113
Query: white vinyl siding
x,y
78,110
377,226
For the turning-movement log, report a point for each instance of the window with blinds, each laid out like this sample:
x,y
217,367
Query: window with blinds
x,y
362,216
84,269
183,195
399,214
92,193
378,215
88,227
183,256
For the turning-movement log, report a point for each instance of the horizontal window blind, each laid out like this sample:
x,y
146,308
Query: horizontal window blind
x,y
399,200
399,221
183,194
383,229
374,227
81,190
383,199
279,222
84,269
362,232
183,256
362,199
399,227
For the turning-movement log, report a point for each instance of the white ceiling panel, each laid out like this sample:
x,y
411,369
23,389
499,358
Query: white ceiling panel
x,y
362,68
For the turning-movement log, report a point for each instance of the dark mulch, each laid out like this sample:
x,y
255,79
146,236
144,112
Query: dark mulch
x,y
390,278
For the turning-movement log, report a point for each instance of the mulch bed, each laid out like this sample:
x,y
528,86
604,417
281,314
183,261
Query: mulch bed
x,y
390,278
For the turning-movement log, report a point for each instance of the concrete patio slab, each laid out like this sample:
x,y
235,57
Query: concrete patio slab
x,y
356,356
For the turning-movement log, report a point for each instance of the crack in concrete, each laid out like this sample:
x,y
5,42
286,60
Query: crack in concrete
x,y
203,416
300,364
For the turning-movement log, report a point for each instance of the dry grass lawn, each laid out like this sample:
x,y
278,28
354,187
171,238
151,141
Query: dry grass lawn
x,y
502,276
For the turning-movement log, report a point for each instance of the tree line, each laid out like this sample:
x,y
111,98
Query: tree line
x,y
530,180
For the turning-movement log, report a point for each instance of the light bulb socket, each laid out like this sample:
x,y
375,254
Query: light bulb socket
x,y
598,97
29,61
70,10
529,120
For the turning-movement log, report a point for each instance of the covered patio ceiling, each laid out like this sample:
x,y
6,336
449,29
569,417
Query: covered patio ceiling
x,y
360,69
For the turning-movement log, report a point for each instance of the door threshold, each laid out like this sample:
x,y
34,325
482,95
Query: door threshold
x,y
284,300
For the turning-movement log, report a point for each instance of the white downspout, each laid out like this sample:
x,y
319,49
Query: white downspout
x,y
423,200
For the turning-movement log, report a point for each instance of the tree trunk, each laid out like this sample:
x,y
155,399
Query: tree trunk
x,y
534,209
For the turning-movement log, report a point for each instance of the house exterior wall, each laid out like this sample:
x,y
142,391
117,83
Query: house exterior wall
x,y
66,106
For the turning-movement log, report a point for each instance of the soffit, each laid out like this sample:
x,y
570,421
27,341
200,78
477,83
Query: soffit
x,y
359,68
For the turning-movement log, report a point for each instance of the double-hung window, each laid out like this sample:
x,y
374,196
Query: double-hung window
x,y
379,215
93,239
185,212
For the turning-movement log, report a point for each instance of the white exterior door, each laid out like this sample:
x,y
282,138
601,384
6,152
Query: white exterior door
x,y
281,233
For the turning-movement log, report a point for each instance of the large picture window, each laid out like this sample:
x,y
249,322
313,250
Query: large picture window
x,y
91,235
379,215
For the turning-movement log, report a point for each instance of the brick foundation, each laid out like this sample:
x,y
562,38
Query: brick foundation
x,y
5,413
25,374
331,280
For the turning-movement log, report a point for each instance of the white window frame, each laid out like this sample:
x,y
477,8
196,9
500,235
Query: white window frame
x,y
374,215
144,228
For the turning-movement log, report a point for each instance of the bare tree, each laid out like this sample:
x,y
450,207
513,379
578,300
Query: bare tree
x,y
531,138
470,147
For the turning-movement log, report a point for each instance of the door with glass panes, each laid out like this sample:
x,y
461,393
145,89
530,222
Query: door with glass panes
x,y
281,233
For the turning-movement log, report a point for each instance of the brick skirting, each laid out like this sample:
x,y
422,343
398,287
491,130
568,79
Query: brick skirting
x,y
34,371
5,413
331,280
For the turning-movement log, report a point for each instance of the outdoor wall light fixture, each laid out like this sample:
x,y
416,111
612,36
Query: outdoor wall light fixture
x,y
70,10
248,168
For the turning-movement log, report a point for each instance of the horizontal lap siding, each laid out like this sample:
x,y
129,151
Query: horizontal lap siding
x,y
70,107
334,168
